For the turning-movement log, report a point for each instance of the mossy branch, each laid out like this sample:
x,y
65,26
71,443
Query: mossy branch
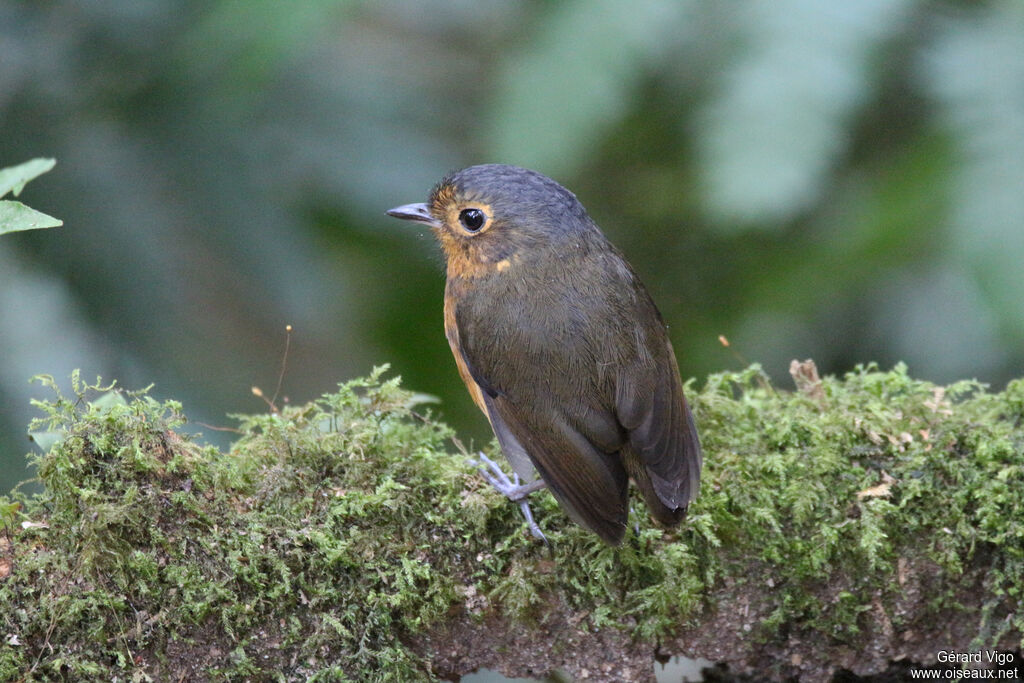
x,y
853,522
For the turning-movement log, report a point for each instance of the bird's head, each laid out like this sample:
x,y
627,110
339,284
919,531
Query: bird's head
x,y
492,216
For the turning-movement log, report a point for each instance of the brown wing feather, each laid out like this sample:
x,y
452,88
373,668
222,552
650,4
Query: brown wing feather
x,y
590,484
663,452
512,449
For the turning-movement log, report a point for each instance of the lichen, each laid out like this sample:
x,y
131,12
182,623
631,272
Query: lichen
x,y
333,533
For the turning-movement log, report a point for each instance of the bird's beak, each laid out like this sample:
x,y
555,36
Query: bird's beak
x,y
414,212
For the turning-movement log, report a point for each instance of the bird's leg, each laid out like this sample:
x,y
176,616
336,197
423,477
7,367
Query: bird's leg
x,y
511,489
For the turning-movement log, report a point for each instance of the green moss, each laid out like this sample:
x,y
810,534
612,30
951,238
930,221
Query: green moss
x,y
333,531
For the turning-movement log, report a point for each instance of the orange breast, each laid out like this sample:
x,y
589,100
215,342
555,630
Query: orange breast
x,y
451,331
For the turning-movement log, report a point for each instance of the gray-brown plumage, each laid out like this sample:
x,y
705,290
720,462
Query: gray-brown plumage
x,y
562,347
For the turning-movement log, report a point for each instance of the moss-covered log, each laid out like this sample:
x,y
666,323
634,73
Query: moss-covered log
x,y
850,523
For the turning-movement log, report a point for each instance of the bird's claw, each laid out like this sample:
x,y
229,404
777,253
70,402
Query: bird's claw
x,y
511,489
535,531
497,478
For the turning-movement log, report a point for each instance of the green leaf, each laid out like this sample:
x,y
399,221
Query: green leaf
x,y
15,216
13,178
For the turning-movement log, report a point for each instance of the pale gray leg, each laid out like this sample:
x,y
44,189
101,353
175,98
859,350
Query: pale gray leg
x,y
511,489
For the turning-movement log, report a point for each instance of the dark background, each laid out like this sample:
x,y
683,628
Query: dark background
x,y
842,181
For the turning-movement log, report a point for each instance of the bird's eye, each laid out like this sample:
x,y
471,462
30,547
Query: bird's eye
x,y
472,219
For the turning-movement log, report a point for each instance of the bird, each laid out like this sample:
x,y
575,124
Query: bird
x,y
562,348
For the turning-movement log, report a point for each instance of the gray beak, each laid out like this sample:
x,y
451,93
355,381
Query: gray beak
x,y
414,212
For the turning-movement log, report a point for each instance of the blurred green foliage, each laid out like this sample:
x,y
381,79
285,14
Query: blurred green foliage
x,y
835,180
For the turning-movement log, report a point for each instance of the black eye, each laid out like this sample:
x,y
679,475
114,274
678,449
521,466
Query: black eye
x,y
472,219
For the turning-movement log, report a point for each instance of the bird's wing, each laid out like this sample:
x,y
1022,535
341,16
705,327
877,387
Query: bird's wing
x,y
589,483
513,450
662,436
510,446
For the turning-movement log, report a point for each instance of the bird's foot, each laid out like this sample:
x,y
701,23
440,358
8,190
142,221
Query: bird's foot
x,y
511,489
